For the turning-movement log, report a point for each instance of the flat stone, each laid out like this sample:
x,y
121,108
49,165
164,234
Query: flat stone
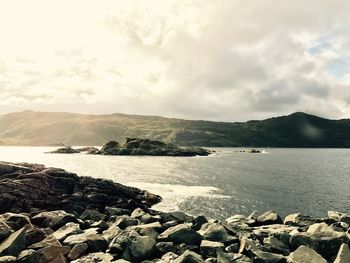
x,y
215,232
269,218
67,230
15,221
276,246
94,258
77,251
53,219
93,215
209,248
8,259
95,242
189,257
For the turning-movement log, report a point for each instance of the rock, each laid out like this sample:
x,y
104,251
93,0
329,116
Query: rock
x,y
65,150
164,247
343,255
135,146
189,257
155,225
53,219
14,244
273,230
298,219
89,150
169,257
7,259
231,257
42,255
326,244
5,230
139,248
269,218
36,188
93,215
94,258
126,221
210,248
48,241
67,230
59,259
177,216
181,233
95,241
340,217
77,251
111,233
15,221
198,221
303,254
102,225
276,246
35,235
115,211
215,232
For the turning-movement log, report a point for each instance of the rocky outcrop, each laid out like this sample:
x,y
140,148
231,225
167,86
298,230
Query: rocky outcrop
x,y
136,146
32,188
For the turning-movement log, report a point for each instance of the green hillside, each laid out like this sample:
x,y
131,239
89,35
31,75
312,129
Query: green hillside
x,y
49,128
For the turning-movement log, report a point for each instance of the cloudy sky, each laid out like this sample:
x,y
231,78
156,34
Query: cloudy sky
x,y
217,59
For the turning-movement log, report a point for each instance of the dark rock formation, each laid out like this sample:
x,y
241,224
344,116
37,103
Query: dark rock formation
x,y
67,149
89,150
136,146
32,187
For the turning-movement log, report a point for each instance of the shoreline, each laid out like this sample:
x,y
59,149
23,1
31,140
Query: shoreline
x,y
131,231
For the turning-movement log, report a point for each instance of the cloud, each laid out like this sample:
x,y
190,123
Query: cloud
x,y
222,60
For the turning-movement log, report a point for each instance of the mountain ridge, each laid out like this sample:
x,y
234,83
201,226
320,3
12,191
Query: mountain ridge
x,y
298,129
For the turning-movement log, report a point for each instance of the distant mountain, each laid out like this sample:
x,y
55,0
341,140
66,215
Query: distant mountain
x,y
54,128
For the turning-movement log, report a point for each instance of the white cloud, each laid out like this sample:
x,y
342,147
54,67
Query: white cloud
x,y
222,60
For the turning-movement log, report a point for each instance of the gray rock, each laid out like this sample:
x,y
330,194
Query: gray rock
x,y
5,230
169,257
189,257
303,254
269,218
139,248
111,232
298,219
198,221
53,219
77,251
181,233
210,248
326,244
35,235
119,243
232,257
95,241
14,244
178,216
48,241
343,255
93,215
164,247
43,255
67,230
126,221
215,232
94,258
15,221
102,225
276,246
115,211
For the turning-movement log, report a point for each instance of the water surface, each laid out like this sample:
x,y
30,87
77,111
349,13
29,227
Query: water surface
x,y
285,180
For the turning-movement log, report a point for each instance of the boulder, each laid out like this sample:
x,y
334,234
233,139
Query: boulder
x,y
181,233
298,219
8,259
269,218
163,248
189,257
35,235
93,215
303,254
343,255
14,244
326,244
48,241
77,251
139,248
340,217
215,232
210,248
15,221
43,255
53,219
276,246
5,230
95,241
67,230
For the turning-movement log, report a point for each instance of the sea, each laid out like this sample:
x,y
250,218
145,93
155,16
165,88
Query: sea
x,y
228,182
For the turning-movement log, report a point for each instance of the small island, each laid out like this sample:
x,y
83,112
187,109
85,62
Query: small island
x,y
137,146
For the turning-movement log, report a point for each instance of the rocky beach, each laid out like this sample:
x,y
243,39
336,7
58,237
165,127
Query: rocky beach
x,y
52,215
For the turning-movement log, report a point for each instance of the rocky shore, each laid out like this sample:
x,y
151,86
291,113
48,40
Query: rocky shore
x,y
51,215
137,146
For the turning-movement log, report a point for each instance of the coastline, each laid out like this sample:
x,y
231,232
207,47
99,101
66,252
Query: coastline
x,y
119,233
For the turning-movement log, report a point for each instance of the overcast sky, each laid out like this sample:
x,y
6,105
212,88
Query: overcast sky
x,y
199,59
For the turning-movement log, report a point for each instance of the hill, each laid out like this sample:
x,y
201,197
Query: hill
x,y
52,128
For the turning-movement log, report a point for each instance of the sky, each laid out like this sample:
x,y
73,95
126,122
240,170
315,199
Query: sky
x,y
224,60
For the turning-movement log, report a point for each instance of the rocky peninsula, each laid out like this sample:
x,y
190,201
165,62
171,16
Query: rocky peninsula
x,y
51,215
137,146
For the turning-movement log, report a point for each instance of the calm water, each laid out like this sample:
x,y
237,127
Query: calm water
x,y
285,180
